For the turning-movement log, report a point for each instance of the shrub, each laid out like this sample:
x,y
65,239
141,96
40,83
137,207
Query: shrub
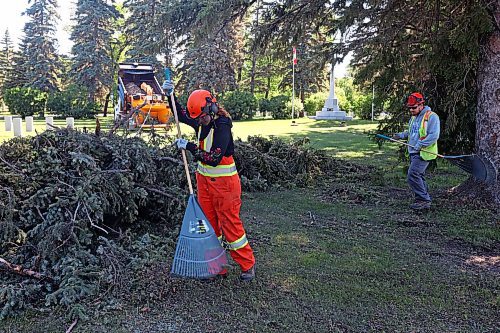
x,y
265,107
315,102
240,104
363,107
276,107
280,110
25,101
71,102
298,108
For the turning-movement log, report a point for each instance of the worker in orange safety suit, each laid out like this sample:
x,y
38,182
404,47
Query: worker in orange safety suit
x,y
219,187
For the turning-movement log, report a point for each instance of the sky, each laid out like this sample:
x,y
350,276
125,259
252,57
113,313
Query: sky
x,y
13,19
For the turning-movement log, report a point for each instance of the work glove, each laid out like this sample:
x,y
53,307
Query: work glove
x,y
181,143
168,87
396,136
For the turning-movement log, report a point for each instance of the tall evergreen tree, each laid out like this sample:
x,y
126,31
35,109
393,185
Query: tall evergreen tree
x,y
211,64
6,55
148,33
39,45
93,57
18,76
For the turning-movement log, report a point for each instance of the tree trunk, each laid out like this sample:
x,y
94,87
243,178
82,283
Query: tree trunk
x,y
268,86
106,102
488,106
252,70
240,74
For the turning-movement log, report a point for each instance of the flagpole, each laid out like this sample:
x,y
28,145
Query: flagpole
x,y
293,82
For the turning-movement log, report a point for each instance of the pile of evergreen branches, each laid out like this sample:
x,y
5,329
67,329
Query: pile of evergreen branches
x,y
67,203
264,163
80,214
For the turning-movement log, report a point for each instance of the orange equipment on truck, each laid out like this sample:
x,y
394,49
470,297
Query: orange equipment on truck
x,y
139,90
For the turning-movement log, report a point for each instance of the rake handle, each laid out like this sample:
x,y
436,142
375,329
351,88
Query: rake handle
x,y
179,134
407,144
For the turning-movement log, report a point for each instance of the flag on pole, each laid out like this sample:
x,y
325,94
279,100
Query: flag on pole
x,y
294,56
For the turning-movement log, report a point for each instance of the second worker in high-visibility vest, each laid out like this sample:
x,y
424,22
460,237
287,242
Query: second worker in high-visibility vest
x,y
423,133
219,187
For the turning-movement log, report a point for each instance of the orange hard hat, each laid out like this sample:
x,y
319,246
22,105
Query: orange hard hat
x,y
415,99
197,103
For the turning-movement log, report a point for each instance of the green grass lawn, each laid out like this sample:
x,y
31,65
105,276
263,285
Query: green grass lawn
x,y
343,256
349,141
39,126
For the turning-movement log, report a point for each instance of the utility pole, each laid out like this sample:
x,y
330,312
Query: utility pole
x,y
293,81
373,98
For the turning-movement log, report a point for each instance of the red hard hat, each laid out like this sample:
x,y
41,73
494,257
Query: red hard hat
x,y
415,99
197,102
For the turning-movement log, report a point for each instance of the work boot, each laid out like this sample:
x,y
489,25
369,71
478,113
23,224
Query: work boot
x,y
219,276
248,275
420,204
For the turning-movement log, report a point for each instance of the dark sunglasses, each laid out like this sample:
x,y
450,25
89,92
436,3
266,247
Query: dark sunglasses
x,y
412,107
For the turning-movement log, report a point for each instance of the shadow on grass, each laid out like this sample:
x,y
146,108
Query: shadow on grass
x,y
351,144
339,124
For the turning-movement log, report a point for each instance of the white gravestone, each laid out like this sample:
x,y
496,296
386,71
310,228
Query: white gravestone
x,y
70,122
49,121
8,123
29,124
17,123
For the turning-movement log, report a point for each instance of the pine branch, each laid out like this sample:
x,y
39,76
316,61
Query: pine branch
x,y
70,328
170,159
154,190
125,119
17,269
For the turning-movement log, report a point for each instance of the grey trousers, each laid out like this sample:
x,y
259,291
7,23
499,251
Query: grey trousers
x,y
416,177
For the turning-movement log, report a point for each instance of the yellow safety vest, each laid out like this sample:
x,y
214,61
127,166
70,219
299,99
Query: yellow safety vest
x,y
433,148
226,167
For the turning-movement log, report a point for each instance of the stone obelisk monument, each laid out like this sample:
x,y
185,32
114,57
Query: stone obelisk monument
x,y
331,109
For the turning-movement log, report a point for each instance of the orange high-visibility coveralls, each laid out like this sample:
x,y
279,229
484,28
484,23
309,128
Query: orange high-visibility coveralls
x,y
219,195
219,187
220,199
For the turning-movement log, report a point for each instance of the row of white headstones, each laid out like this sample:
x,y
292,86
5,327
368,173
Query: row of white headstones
x,y
15,124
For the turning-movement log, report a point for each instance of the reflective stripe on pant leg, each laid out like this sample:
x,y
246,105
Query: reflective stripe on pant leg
x,y
227,202
238,244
